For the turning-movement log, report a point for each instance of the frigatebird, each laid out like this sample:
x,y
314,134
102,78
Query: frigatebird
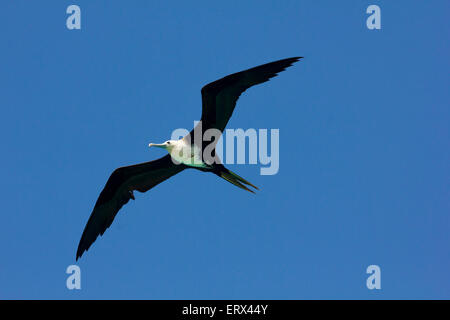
x,y
218,102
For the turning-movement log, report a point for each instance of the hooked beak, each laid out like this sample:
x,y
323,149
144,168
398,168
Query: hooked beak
x,y
162,145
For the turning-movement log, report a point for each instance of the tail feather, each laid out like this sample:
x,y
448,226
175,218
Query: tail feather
x,y
242,180
235,179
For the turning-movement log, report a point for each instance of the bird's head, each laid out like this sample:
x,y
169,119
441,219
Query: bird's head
x,y
168,145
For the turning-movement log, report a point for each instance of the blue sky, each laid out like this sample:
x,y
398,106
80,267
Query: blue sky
x,y
364,150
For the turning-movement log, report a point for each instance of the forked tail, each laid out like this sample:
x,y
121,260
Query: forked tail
x,y
234,178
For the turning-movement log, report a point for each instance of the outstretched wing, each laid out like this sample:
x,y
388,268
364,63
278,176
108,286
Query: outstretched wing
x,y
219,97
119,190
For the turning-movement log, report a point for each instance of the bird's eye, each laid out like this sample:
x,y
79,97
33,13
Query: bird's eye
x,y
168,142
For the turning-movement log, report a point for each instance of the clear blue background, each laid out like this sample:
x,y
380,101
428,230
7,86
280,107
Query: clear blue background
x,y
364,149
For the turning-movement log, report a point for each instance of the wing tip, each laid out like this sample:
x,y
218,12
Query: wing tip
x,y
283,64
84,245
80,252
290,61
296,58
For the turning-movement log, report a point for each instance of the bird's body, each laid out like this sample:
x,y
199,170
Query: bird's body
x,y
218,102
184,152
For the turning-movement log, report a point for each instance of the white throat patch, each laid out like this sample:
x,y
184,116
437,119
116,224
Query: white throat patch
x,y
183,152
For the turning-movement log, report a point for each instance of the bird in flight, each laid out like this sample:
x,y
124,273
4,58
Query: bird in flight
x,y
218,102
